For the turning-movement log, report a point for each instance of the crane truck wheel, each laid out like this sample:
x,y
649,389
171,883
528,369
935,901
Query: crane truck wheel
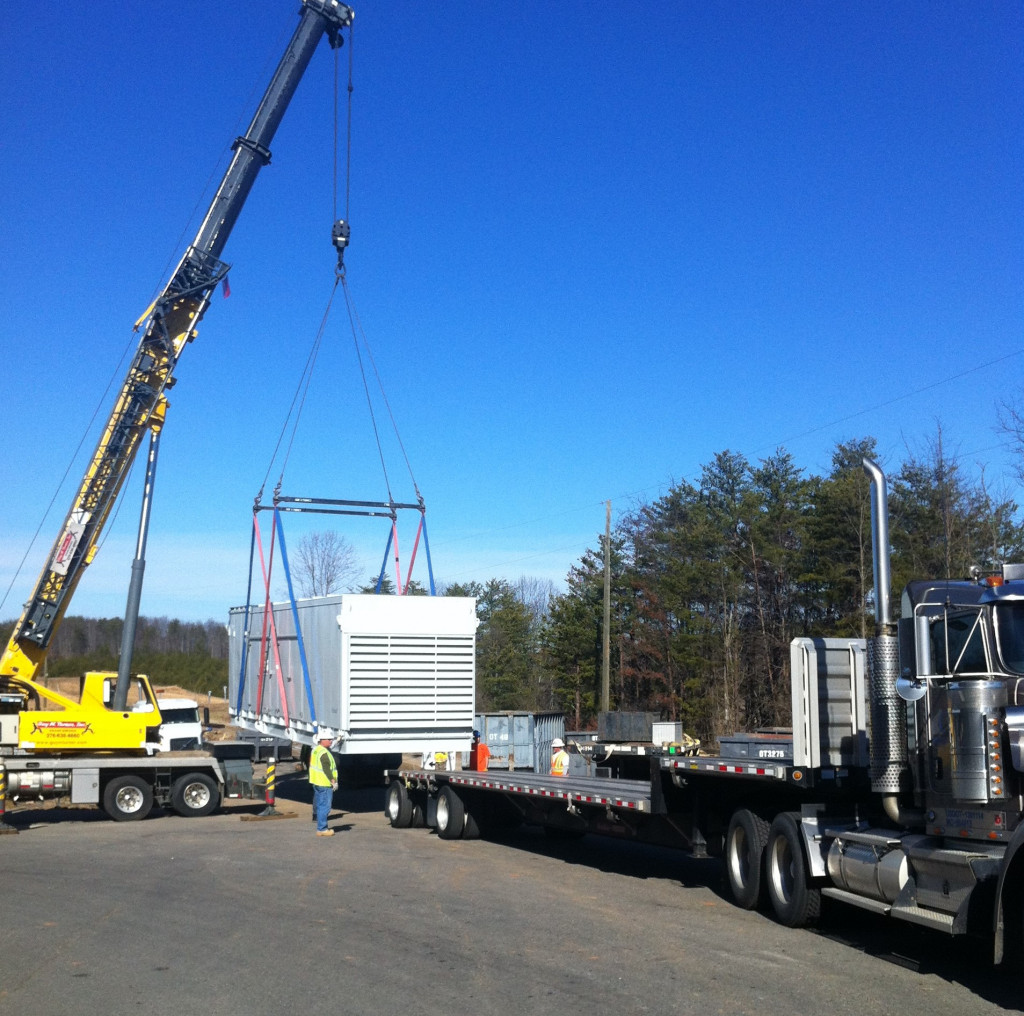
x,y
398,807
195,795
451,814
745,843
795,902
127,799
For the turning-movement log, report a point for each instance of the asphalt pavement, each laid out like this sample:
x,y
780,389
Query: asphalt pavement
x,y
234,914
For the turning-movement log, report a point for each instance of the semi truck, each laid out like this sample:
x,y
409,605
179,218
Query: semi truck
x,y
899,789
94,742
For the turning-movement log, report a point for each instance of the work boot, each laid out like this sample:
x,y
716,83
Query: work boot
x,y
325,832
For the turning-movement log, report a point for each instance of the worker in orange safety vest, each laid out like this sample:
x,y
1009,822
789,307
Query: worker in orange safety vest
x,y
559,758
479,754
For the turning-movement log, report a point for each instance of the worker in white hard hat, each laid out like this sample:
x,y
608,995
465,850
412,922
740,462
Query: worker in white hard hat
x,y
323,777
559,758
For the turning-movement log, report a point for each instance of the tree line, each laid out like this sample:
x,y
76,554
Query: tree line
x,y
709,585
190,654
712,581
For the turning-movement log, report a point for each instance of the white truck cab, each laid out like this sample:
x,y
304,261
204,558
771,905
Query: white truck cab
x,y
181,728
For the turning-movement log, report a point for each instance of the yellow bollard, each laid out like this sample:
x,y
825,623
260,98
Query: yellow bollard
x,y
269,787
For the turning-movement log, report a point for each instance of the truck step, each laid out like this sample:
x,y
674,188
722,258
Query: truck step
x,y
905,912
927,918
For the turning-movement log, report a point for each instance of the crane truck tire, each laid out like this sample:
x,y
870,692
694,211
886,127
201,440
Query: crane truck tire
x,y
398,807
795,902
127,799
745,843
195,795
451,814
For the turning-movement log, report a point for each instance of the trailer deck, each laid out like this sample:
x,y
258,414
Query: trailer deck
x,y
629,795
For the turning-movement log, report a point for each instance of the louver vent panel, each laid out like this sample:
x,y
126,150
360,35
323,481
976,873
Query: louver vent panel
x,y
412,681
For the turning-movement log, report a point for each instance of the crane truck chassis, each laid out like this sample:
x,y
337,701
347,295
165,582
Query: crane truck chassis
x,y
899,789
192,783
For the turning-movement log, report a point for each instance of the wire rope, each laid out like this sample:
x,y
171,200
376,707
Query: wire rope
x,y
358,335
366,387
358,327
298,398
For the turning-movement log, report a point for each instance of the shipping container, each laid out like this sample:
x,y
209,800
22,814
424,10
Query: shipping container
x,y
519,740
377,673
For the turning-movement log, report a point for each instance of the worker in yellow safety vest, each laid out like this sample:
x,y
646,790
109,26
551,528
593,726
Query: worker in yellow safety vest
x,y
323,777
559,758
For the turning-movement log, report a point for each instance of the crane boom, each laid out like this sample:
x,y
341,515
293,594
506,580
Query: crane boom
x,y
167,326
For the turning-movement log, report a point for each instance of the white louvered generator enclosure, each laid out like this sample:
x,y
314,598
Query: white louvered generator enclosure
x,y
379,673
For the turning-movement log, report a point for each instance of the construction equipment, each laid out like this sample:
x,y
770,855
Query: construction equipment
x,y
35,717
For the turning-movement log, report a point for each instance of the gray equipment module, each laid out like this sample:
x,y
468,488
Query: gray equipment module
x,y
378,673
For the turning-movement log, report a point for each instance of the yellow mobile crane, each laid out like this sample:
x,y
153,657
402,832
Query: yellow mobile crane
x,y
36,719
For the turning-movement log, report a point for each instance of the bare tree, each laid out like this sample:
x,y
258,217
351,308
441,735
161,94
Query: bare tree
x,y
1011,423
325,563
535,594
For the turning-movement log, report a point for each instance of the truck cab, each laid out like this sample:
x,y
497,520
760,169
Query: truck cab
x,y
180,728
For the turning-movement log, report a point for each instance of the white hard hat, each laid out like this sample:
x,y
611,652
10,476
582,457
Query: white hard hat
x,y
323,734
558,743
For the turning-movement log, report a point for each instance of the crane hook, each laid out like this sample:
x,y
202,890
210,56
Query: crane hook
x,y
340,234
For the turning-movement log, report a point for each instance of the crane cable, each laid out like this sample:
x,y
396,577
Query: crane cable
x,y
299,399
358,335
354,322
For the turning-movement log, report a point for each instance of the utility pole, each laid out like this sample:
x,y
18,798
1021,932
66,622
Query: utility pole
x,y
606,651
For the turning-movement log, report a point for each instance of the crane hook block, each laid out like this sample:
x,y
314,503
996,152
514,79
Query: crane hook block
x,y
340,233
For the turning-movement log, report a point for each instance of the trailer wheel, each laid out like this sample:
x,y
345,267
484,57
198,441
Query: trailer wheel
x,y
419,810
127,799
451,814
745,844
195,795
793,899
398,808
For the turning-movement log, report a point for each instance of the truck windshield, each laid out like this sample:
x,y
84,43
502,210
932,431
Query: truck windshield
x,y
184,715
1009,625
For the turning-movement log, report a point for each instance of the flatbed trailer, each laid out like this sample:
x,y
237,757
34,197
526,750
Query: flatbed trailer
x,y
465,803
682,801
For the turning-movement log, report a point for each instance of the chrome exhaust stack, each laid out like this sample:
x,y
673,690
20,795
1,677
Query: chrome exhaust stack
x,y
888,759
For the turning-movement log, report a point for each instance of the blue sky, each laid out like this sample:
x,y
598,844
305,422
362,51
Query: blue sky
x,y
592,245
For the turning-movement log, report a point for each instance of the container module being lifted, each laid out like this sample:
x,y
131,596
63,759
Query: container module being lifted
x,y
378,673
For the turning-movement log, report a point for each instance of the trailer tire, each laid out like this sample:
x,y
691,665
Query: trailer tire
x,y
451,814
195,795
745,843
127,798
796,903
398,807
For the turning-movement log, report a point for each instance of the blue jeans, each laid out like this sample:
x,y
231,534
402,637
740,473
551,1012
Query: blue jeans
x,y
322,799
